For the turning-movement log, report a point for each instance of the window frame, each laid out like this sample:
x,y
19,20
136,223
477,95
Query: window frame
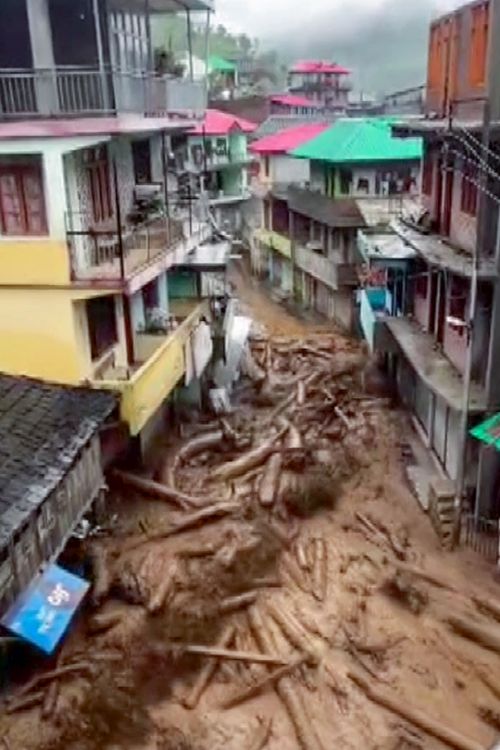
x,y
20,171
99,183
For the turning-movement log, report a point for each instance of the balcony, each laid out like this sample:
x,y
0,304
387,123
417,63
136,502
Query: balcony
x,y
145,386
324,269
78,91
372,313
275,241
220,198
116,255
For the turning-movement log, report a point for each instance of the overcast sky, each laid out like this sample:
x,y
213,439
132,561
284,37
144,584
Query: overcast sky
x,y
266,17
384,42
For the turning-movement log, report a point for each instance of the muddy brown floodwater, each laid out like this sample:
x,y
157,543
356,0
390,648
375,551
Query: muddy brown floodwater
x,y
297,541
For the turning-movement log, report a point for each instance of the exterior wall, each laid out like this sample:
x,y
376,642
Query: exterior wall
x,y
37,335
287,170
449,64
422,307
463,229
343,308
318,176
42,260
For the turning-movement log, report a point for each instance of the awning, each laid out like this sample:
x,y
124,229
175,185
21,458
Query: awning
x,y
42,613
488,432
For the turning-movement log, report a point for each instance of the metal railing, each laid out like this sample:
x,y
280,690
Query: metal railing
x,y
115,254
482,535
69,91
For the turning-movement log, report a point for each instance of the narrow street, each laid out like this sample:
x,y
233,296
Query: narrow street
x,y
292,533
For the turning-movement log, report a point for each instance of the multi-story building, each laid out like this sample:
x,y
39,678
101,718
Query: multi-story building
x,y
89,227
276,171
325,83
445,355
212,161
317,195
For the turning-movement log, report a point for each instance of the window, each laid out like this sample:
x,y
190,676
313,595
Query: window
x,y
101,316
458,299
469,198
267,166
479,44
345,181
141,155
97,166
221,147
22,204
363,185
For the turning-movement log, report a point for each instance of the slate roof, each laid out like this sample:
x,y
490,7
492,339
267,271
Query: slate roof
x,y
286,140
336,213
42,429
222,123
360,140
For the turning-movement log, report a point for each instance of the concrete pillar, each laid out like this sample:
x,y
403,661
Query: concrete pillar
x,y
162,286
121,350
43,55
137,311
55,193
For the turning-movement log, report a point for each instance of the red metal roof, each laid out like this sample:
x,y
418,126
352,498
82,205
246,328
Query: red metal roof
x,y
288,139
221,123
89,126
318,66
291,100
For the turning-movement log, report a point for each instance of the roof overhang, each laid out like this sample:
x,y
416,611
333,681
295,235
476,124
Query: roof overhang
x,y
439,127
162,6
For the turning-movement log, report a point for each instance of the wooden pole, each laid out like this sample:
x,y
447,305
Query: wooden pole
x,y
420,719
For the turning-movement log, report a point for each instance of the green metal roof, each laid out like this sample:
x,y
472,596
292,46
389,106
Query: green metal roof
x,y
351,140
217,64
488,432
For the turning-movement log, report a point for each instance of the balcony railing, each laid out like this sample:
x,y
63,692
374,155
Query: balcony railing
x,y
324,269
115,254
72,91
144,389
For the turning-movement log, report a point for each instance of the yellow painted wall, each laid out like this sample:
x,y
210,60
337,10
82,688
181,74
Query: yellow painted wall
x,y
34,261
143,394
37,335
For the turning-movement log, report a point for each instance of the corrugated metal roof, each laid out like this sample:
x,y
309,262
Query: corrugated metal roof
x,y
294,100
288,139
318,66
275,123
42,429
338,213
222,123
218,64
352,140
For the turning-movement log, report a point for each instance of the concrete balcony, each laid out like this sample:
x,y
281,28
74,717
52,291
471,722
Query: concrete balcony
x,y
90,92
220,198
275,241
144,386
324,269
372,314
114,257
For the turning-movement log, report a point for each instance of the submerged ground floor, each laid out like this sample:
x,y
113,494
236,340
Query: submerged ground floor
x,y
295,543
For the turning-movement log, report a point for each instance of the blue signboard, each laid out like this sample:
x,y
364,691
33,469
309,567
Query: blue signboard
x,y
42,613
